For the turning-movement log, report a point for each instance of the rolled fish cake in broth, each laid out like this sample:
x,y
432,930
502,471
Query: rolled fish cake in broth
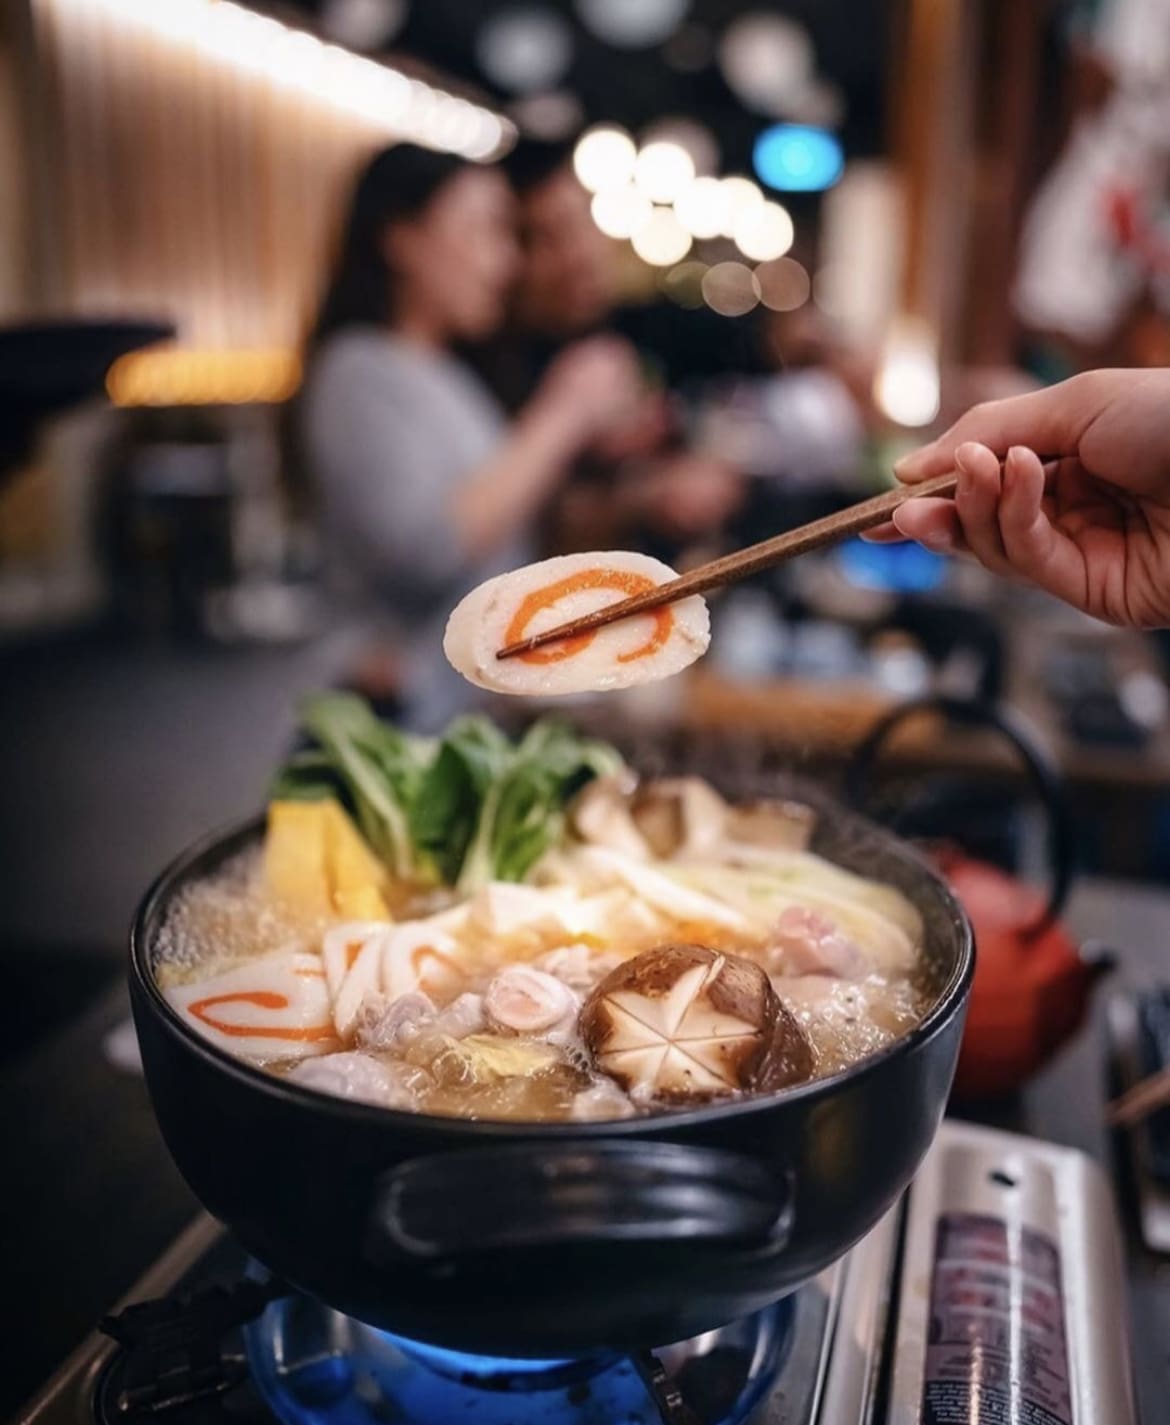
x,y
539,597
602,946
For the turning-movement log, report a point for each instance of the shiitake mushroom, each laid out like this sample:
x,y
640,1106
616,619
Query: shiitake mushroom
x,y
683,1021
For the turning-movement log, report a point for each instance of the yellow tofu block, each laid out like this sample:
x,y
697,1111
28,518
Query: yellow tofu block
x,y
355,873
362,903
295,856
315,859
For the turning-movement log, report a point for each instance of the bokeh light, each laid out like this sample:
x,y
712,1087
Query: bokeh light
x,y
295,61
524,49
169,376
663,170
662,241
906,388
767,61
604,158
739,194
621,212
797,158
684,284
703,208
362,24
764,232
695,138
633,24
730,289
784,284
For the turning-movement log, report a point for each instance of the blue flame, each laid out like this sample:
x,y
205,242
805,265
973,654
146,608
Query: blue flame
x,y
467,1367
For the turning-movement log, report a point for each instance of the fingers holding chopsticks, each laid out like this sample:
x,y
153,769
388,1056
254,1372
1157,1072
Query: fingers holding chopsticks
x,y
966,524
993,490
975,520
1000,516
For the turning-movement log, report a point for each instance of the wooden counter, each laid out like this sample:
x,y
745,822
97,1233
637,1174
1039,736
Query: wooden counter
x,y
823,721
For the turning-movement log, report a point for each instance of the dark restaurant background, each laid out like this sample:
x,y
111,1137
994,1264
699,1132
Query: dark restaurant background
x,y
826,226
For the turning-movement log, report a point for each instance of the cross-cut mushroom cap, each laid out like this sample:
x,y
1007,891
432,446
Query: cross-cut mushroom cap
x,y
681,1020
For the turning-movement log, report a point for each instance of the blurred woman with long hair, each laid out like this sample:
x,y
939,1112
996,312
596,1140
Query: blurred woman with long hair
x,y
422,487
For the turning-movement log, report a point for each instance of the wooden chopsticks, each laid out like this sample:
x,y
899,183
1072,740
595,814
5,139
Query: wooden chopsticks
x,y
744,562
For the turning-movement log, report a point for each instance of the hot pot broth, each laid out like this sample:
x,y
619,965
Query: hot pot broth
x,y
661,948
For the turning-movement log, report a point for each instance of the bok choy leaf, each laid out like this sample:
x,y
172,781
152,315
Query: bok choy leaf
x,y
378,769
470,808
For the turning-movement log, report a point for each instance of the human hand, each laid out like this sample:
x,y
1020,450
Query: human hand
x,y
1080,506
591,385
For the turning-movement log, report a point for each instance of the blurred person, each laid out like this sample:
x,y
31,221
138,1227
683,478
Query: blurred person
x,y
569,282
1079,506
638,483
423,488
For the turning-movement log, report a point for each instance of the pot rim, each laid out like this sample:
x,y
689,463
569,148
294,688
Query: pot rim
x,y
237,836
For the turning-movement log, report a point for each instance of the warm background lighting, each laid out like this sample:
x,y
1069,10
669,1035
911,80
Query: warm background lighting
x,y
203,152
171,377
739,195
689,134
663,170
907,385
621,212
703,207
604,158
662,240
731,289
764,231
784,284
236,38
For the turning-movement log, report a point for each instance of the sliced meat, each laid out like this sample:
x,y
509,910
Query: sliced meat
x,y
805,942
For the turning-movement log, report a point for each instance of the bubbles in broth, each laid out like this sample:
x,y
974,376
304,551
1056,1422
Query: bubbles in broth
x,y
471,1005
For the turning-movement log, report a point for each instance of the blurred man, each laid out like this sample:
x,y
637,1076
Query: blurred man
x,y
638,481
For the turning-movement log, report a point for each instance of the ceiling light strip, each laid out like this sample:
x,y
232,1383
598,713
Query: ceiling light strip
x,y
230,35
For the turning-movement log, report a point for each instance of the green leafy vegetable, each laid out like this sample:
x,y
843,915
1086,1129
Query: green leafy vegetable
x,y
523,812
470,808
472,756
378,770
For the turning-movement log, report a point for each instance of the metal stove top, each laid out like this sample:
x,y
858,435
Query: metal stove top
x,y
992,1295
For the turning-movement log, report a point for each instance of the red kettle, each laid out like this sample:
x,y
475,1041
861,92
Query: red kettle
x,y
1032,981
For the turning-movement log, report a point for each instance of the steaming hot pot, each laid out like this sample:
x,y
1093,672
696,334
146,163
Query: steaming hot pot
x,y
556,1239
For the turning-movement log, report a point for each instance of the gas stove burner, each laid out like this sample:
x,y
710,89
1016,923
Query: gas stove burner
x,y
996,1286
314,1366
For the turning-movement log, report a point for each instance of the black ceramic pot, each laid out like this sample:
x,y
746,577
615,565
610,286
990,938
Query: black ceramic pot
x,y
556,1239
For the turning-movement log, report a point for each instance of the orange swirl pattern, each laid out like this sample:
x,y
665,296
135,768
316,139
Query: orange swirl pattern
x,y
621,581
261,999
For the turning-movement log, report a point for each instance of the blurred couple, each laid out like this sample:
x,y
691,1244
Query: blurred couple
x,y
471,400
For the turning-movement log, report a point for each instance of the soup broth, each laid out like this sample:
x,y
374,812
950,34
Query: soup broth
x,y
665,949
